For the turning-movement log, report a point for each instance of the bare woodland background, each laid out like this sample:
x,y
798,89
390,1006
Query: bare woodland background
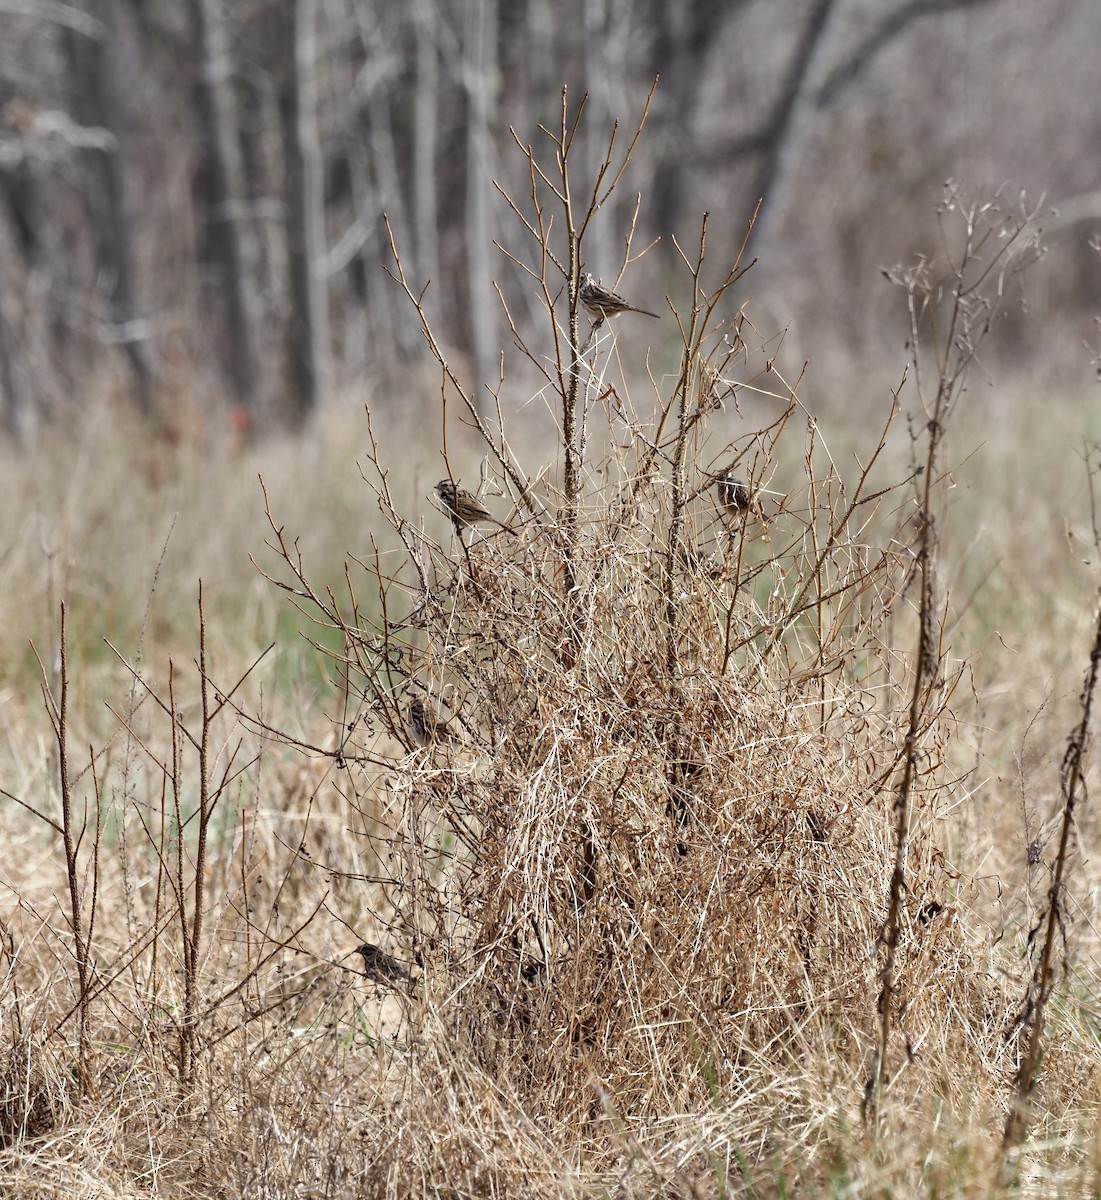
x,y
192,195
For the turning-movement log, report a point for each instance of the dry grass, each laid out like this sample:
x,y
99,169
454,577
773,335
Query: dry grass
x,y
709,1011
644,868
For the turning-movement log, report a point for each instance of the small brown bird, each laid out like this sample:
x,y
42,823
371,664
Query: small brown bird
x,y
737,499
382,967
463,509
733,493
424,726
600,303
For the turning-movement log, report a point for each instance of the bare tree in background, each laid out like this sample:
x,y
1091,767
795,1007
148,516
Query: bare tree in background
x,y
479,69
791,125
687,35
371,153
308,334
96,75
607,26
271,138
11,402
425,140
233,236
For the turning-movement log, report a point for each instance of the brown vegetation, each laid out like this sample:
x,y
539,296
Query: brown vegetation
x,y
667,883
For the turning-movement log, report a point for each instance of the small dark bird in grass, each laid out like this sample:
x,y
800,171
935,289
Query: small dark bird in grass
x,y
425,726
735,496
733,493
382,967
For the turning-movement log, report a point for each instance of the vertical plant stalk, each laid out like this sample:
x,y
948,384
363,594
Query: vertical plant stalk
x,y
163,883
59,712
1043,975
690,375
926,668
571,474
193,940
183,1062
994,250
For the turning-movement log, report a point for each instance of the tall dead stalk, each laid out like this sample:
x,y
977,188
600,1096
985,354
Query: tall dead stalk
x,y
1038,994
984,249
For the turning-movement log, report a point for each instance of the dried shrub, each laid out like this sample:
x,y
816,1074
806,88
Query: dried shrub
x,y
642,835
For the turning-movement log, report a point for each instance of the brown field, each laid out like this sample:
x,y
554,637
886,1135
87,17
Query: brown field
x,y
714,817
642,882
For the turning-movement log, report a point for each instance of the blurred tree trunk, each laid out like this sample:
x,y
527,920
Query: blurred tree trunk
x,y
308,332
480,81
425,131
392,327
379,147
11,401
687,34
605,56
545,77
790,127
97,74
877,38
233,235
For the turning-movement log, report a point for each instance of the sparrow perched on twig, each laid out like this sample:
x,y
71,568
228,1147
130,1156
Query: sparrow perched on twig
x,y
382,967
736,496
424,726
600,303
463,509
733,493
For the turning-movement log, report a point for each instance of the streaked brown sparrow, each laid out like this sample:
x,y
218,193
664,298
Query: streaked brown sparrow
x,y
424,726
733,493
600,303
463,509
382,967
